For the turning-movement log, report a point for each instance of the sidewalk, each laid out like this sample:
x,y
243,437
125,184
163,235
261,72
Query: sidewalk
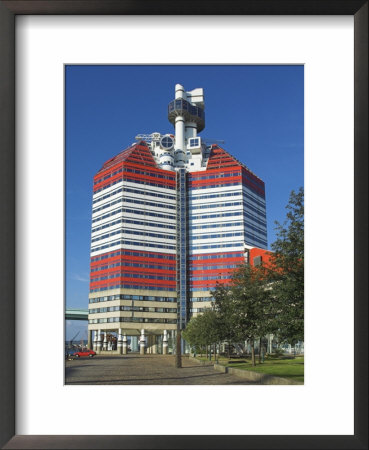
x,y
145,369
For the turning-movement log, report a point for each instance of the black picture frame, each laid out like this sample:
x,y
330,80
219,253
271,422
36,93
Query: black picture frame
x,y
8,12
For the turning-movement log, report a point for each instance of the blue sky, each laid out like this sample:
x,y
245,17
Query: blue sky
x,y
257,110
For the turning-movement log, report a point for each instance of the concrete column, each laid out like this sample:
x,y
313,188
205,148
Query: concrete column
x,y
98,342
142,342
120,341
151,347
165,343
89,339
94,344
173,335
105,344
154,345
124,344
134,343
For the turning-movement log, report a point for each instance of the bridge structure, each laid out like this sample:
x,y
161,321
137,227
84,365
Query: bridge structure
x,y
76,314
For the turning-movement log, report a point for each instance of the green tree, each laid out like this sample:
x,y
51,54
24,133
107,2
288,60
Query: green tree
x,y
253,306
211,327
193,333
245,307
203,330
287,271
224,306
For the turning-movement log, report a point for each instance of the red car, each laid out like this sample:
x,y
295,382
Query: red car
x,y
85,352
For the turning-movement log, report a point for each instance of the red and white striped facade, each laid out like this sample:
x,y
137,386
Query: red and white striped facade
x,y
227,205
171,216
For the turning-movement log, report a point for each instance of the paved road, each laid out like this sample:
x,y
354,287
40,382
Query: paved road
x,y
145,369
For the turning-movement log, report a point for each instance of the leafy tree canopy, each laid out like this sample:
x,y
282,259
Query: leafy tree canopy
x,y
287,270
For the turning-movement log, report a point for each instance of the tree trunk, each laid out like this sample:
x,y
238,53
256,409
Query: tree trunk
x,y
215,352
252,352
178,350
259,350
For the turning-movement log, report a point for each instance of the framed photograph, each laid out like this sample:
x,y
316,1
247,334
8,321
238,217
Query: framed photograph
x,y
133,292
40,42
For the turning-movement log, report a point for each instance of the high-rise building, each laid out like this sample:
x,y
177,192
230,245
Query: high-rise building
x,y
172,216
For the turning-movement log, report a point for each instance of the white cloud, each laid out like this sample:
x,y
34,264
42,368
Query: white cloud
x,y
77,277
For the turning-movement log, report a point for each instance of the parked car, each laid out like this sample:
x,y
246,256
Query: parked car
x,y
83,352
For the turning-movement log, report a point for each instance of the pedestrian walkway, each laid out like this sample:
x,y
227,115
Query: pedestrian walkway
x,y
144,369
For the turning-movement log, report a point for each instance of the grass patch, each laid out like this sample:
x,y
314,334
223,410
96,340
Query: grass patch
x,y
282,366
285,368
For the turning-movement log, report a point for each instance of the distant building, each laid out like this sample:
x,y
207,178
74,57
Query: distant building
x,y
172,216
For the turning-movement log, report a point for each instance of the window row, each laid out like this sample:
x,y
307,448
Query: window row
x,y
255,220
150,174
203,247
134,222
211,186
183,107
255,234
226,194
145,298
222,266
141,172
134,211
248,226
255,231
214,216
253,196
222,255
134,191
132,264
255,241
109,175
202,289
132,253
133,319
202,299
133,286
198,310
248,206
134,180
218,175
131,275
217,225
132,308
215,236
216,277
254,179
134,232
215,205
135,243
135,201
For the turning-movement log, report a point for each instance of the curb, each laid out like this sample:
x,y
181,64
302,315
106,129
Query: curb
x,y
203,363
260,378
